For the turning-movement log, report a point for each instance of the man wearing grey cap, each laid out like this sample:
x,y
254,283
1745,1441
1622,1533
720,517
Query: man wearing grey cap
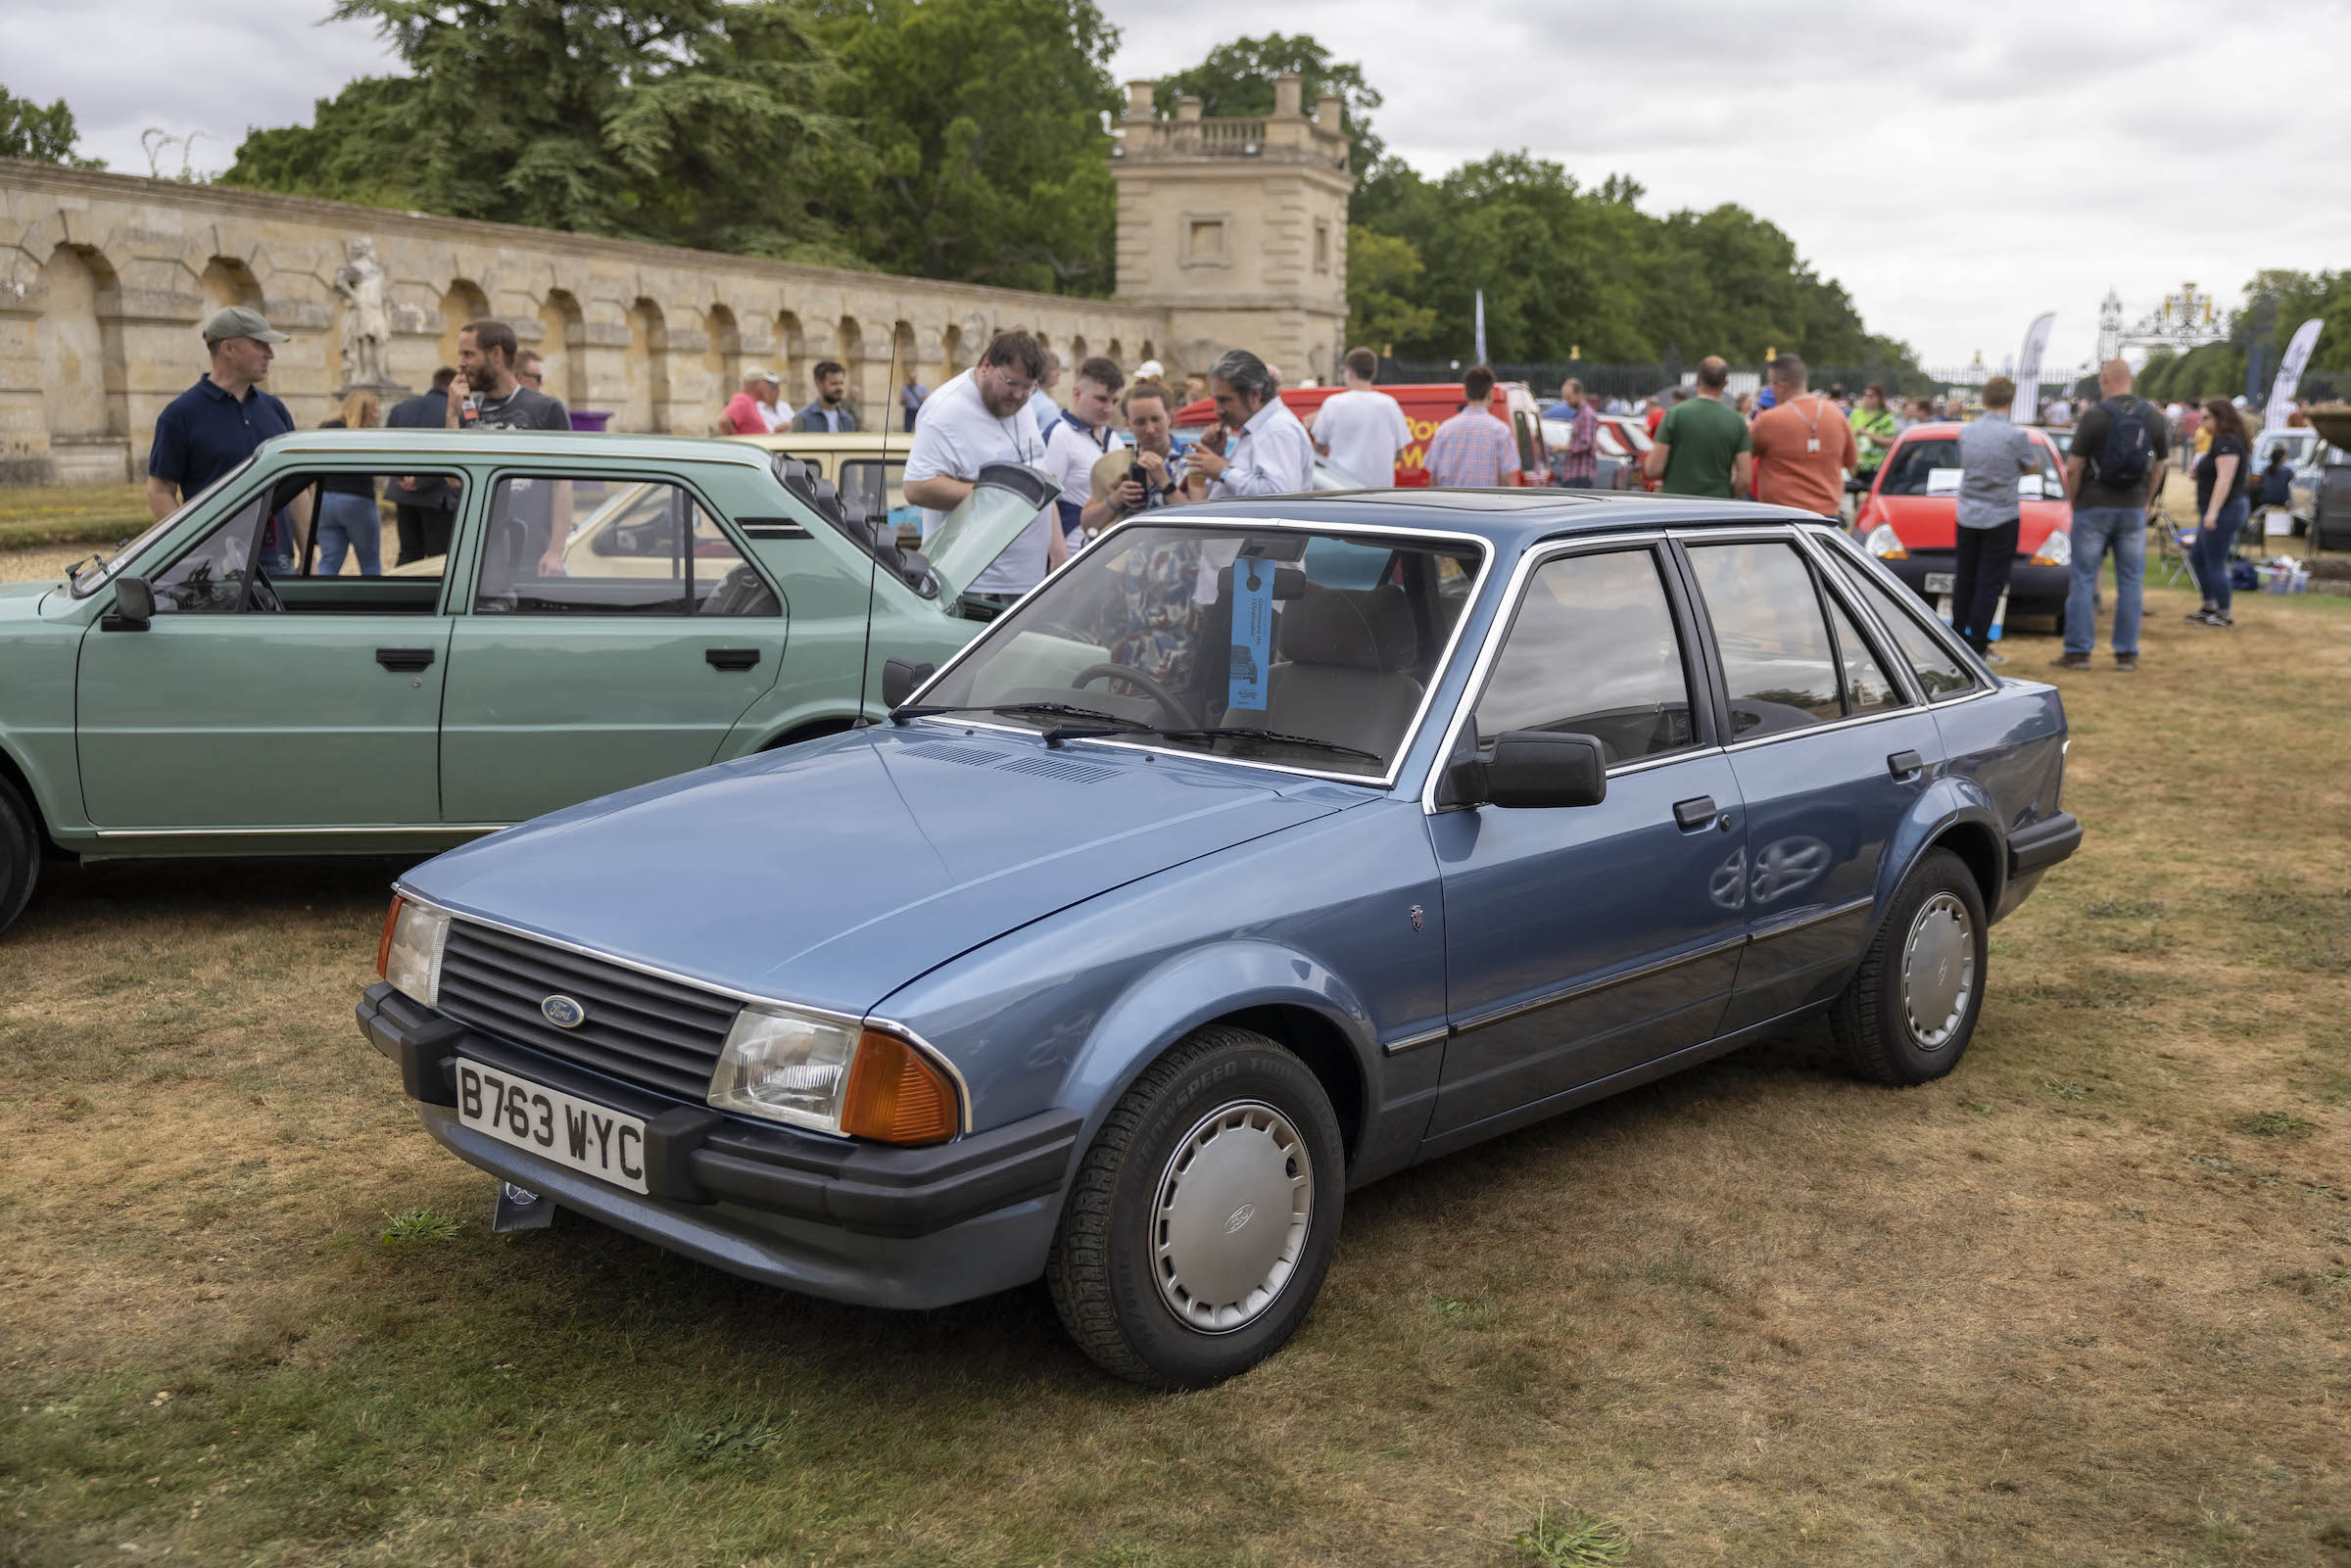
x,y
752,410
219,422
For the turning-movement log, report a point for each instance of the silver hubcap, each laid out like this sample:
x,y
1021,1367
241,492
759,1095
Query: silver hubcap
x,y
1230,1220
1939,971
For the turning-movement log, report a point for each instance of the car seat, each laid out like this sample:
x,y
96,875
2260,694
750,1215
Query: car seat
x,y
1341,673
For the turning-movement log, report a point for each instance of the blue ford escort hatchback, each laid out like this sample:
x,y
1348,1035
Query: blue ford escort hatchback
x,y
1266,849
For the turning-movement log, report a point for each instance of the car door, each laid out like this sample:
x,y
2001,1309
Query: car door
x,y
1583,941
615,631
1830,751
239,706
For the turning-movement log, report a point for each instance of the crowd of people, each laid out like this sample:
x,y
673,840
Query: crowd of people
x,y
1111,446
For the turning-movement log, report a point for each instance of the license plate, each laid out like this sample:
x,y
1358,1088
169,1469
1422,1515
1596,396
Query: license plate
x,y
1940,582
585,1136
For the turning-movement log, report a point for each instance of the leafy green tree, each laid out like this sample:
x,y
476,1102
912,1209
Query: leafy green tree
x,y
1383,278
1237,78
984,148
39,135
689,121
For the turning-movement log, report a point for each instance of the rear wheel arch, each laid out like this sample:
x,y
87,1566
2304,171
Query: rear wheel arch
x,y
1976,844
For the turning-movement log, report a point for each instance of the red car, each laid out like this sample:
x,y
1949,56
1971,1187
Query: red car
x,y
1909,520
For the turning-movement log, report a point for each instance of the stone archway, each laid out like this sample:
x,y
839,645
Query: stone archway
x,y
227,281
463,304
77,341
722,365
562,335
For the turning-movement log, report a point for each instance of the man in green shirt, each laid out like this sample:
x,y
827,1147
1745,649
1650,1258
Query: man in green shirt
x,y
1702,446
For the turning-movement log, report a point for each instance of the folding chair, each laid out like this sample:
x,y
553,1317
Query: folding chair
x,y
2172,542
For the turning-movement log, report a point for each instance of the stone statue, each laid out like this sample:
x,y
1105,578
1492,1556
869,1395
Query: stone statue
x,y
367,322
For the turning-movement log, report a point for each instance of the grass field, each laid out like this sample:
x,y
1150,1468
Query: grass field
x,y
2088,1301
95,515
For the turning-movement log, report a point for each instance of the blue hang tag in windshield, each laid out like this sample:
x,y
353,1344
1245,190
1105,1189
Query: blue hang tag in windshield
x,y
1252,633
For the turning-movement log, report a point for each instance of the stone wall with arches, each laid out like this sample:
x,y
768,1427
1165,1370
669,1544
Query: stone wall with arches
x,y
105,280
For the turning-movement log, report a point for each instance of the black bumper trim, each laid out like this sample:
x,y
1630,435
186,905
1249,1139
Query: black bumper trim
x,y
694,1155
2042,844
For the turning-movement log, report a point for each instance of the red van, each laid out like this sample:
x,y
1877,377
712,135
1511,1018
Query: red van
x,y
1426,406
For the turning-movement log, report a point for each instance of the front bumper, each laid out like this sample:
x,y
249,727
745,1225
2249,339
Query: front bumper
x,y
2031,590
849,1221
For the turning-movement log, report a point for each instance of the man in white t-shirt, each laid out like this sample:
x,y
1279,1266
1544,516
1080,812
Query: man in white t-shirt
x,y
1363,431
982,416
1081,438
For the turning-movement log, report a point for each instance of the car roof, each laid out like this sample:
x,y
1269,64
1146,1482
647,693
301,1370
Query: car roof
x,y
1510,519
496,444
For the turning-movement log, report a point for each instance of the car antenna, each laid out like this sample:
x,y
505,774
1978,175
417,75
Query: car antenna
x,y
872,557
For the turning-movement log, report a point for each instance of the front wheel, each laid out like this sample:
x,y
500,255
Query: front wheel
x,y
1910,1009
1203,1219
20,854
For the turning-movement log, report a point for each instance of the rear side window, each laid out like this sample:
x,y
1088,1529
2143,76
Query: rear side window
x,y
1593,651
1868,689
1939,674
1779,668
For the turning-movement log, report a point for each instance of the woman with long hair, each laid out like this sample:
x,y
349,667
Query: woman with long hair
x,y
348,515
2221,506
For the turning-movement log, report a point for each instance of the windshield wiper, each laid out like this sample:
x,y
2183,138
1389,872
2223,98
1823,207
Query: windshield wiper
x,y
1237,733
903,716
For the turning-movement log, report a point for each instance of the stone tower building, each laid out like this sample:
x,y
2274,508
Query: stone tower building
x,y
1237,227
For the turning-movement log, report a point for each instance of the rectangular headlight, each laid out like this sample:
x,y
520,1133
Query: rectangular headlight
x,y
786,1067
412,950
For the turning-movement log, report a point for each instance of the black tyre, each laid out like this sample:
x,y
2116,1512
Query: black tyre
x,y
1204,1218
1910,1009
20,854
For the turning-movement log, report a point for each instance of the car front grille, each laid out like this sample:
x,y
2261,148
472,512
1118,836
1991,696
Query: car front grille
x,y
640,1028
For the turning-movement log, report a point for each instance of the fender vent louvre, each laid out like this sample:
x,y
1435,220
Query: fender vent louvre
x,y
1066,771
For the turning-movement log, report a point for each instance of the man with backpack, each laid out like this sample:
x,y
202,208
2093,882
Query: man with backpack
x,y
2117,462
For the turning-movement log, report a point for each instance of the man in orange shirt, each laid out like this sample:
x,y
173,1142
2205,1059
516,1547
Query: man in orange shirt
x,y
1803,444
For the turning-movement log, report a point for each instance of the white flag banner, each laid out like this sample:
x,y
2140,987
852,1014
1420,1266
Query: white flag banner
x,y
1482,327
2028,368
2289,374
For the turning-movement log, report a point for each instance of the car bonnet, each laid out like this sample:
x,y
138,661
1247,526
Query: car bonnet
x,y
831,873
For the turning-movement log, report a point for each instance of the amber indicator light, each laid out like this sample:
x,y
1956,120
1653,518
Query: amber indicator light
x,y
897,1095
383,944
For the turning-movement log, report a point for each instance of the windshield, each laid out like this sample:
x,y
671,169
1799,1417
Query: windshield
x,y
1304,647
88,578
1929,466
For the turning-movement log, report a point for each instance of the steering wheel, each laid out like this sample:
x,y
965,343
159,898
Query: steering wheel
x,y
1168,701
264,597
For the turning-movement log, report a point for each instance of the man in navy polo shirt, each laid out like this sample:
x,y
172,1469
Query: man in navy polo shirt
x,y
219,422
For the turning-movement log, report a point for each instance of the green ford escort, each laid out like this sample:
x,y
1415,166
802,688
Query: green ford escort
x,y
610,610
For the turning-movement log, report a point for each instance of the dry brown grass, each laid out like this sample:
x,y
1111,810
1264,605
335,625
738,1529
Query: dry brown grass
x,y
2083,1302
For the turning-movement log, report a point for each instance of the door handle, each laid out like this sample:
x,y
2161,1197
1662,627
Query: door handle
x,y
1691,814
731,658
404,660
1905,764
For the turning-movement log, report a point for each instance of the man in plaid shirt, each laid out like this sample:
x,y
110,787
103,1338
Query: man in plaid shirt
x,y
1472,449
1579,463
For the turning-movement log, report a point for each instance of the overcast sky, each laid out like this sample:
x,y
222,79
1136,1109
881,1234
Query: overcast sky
x,y
1942,161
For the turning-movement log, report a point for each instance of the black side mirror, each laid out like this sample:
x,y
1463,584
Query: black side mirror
x,y
899,678
135,606
1531,768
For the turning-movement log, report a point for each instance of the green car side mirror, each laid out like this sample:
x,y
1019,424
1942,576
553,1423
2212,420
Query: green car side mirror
x,y
135,606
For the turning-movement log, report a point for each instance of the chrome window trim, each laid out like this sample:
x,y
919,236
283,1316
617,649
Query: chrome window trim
x,y
829,1014
1404,746
1514,594
1938,633
1811,541
1568,993
1413,1042
1824,727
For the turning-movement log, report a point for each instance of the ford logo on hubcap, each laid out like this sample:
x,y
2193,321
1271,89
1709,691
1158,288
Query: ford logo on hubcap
x,y
564,1012
1239,1217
